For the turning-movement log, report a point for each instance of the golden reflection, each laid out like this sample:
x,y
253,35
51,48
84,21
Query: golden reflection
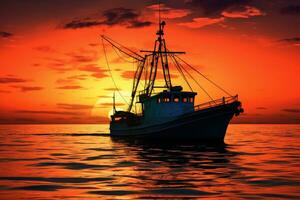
x,y
82,161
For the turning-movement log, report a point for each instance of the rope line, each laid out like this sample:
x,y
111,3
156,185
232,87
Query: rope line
x,y
109,70
181,72
204,76
124,59
111,41
198,84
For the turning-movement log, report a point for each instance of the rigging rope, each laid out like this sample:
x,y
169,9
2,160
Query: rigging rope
x,y
181,72
109,70
196,82
124,59
113,43
204,76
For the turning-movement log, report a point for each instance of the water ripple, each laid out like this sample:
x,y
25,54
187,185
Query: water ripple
x,y
81,162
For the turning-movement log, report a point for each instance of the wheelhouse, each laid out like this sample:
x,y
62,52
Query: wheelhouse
x,y
168,104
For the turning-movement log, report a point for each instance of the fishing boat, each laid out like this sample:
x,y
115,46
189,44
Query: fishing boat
x,y
168,111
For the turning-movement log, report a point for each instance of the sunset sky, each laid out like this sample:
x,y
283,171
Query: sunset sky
x,y
53,69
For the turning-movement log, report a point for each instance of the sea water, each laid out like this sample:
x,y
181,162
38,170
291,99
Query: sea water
x,y
83,162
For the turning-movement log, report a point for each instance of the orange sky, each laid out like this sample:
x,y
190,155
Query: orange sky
x,y
53,68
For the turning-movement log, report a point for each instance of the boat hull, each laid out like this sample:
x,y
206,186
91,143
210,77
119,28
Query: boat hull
x,y
208,124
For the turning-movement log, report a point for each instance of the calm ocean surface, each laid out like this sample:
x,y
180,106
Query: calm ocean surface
x,y
82,162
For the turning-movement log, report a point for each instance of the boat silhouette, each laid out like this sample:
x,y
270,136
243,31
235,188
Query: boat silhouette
x,y
169,113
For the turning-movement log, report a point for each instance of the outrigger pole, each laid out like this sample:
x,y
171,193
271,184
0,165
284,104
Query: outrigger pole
x,y
140,60
123,49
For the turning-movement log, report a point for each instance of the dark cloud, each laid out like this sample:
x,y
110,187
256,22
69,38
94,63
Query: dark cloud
x,y
93,44
59,65
116,16
204,13
52,116
25,120
128,74
55,61
119,15
291,110
72,79
70,87
261,108
90,68
124,16
169,11
42,117
4,91
34,11
290,10
99,75
46,49
4,34
71,61
48,112
213,8
17,120
61,68
7,80
82,58
28,88
74,106
291,40
97,71
75,24
138,24
36,65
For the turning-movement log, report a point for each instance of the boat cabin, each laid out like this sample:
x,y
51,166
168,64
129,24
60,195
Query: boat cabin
x,y
168,104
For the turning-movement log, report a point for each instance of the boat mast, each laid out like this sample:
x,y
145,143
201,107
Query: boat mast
x,y
161,53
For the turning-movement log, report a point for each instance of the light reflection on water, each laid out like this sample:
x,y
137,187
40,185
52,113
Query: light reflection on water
x,y
81,161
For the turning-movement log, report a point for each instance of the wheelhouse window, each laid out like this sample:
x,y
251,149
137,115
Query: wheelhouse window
x,y
191,99
184,99
158,100
176,99
166,99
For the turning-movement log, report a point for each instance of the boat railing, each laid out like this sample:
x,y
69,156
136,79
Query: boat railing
x,y
210,104
217,102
